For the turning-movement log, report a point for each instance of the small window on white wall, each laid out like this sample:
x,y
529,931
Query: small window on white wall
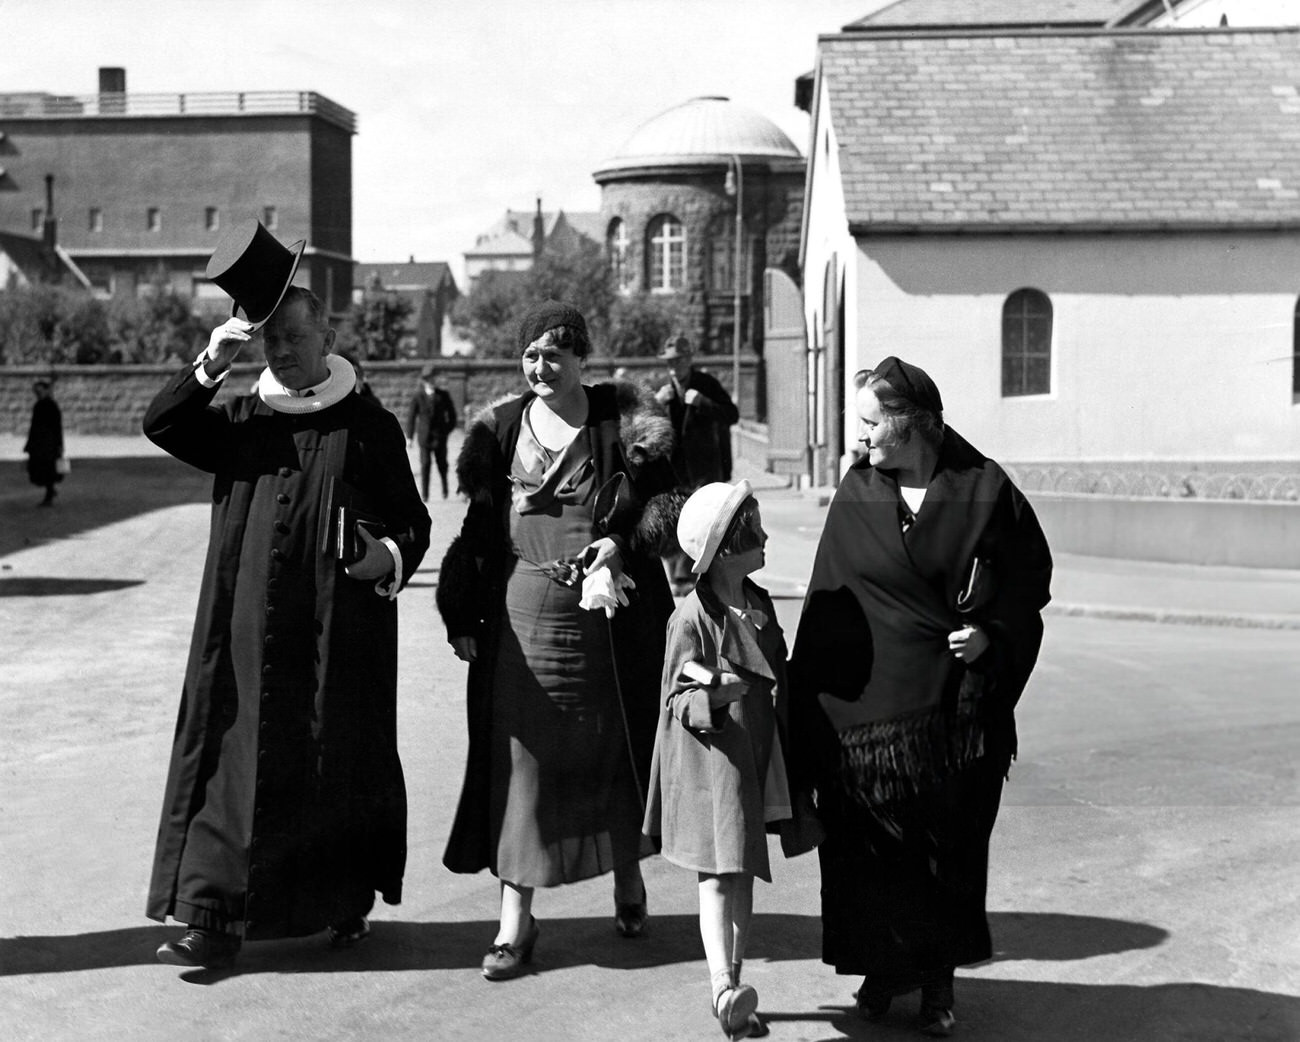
x,y
1026,344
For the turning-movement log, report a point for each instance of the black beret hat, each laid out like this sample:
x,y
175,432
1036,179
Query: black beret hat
x,y
548,315
911,382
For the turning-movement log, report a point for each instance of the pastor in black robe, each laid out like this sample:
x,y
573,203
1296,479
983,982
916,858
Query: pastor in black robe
x,y
285,806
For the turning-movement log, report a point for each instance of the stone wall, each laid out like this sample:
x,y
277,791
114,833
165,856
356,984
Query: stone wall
x,y
111,399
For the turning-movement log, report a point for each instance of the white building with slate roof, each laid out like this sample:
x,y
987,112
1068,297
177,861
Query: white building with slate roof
x,y
1089,236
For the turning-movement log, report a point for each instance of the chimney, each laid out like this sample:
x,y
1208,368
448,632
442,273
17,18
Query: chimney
x,y
539,232
112,89
50,229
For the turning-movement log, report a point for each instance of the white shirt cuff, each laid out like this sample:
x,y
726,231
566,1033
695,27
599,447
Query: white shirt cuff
x,y
390,588
201,375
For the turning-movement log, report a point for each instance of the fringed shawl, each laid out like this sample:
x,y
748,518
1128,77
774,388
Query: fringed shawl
x,y
875,625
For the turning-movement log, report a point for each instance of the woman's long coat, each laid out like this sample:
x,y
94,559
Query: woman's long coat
x,y
630,446
286,742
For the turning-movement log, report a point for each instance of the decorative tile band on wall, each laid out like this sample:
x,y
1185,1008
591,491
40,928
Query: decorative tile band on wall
x,y
1265,480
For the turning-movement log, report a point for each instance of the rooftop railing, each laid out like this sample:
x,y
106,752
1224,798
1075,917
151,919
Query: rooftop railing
x,y
216,103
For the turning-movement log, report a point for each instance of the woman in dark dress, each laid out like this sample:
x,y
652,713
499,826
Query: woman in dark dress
x,y
44,445
919,631
563,699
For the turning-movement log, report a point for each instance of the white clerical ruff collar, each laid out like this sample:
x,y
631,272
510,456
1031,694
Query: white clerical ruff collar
x,y
332,390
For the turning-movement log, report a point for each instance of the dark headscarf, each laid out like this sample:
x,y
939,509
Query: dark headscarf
x,y
548,315
911,382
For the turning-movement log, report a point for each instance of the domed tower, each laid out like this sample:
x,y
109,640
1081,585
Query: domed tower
x,y
670,198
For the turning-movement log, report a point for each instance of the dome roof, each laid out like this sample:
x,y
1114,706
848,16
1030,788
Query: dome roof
x,y
702,130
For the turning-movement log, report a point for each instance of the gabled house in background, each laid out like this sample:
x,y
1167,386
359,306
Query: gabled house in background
x,y
26,260
513,243
1089,236
428,287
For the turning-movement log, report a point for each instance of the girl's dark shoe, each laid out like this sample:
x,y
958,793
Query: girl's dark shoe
x,y
504,961
205,948
630,916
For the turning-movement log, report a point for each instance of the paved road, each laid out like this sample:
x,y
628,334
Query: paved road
x,y
1143,879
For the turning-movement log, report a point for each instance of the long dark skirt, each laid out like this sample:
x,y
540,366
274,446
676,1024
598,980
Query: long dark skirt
x,y
903,885
565,805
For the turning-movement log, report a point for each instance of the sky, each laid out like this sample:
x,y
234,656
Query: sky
x,y
465,107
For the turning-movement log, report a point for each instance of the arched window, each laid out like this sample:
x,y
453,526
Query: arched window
x,y
1026,344
616,245
666,257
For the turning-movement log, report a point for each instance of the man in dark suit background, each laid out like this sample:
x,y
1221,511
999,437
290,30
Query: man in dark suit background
x,y
701,412
430,418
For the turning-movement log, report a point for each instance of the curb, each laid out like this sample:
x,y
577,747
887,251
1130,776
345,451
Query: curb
x,y
1176,616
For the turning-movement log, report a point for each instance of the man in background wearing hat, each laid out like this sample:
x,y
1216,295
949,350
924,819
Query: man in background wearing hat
x,y
285,805
701,413
430,418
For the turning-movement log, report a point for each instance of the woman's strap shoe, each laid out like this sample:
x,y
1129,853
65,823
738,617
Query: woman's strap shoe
x,y
205,948
504,961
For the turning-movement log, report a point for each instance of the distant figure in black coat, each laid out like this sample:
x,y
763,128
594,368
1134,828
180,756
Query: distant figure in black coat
x,y
363,386
701,413
430,418
44,446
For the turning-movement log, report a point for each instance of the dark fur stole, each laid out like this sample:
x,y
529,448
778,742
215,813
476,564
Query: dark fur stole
x,y
644,430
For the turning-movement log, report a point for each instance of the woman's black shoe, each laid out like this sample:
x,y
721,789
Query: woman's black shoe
x,y
630,916
349,932
504,961
936,1021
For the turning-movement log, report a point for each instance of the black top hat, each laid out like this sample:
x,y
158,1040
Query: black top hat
x,y
255,268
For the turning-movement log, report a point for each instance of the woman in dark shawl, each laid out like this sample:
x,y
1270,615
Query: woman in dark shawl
x,y
920,629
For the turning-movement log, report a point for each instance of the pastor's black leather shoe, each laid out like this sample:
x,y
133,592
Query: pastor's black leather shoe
x,y
200,948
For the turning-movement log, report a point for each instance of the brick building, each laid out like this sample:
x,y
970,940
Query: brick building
x,y
144,184
669,200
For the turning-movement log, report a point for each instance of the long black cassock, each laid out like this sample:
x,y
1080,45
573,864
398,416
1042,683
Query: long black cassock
x,y
285,804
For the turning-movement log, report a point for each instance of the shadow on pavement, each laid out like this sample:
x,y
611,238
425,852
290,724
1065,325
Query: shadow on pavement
x,y
1031,1011
48,586
1052,937
565,942
99,491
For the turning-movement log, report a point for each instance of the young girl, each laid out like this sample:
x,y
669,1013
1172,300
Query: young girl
x,y
718,776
